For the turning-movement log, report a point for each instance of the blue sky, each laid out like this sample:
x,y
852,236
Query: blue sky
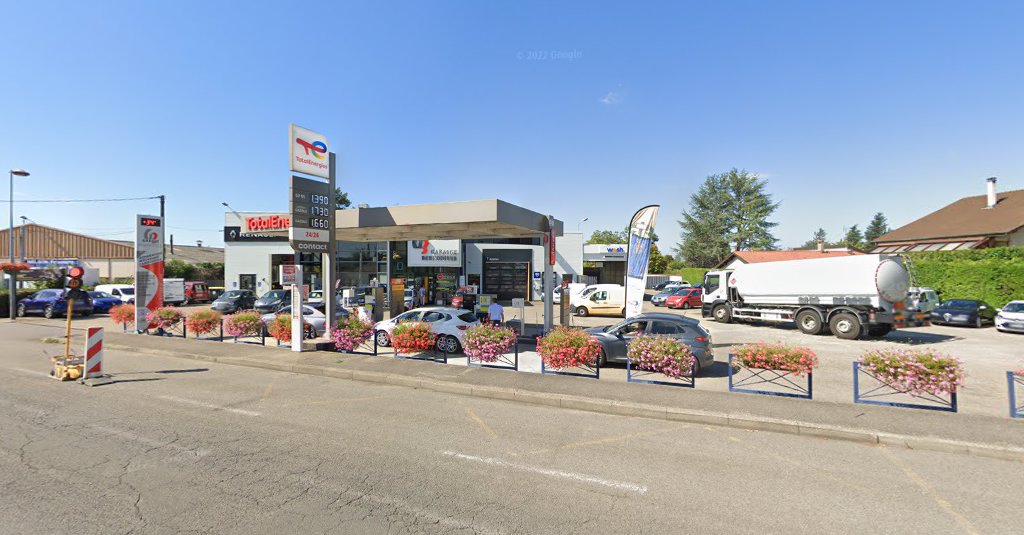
x,y
575,109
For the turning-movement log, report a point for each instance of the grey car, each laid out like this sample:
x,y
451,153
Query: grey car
x,y
312,316
660,297
615,338
273,301
234,300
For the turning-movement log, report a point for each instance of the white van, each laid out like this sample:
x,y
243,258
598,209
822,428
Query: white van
x,y
600,299
124,292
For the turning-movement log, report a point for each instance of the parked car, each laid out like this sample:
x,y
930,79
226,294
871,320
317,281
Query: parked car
x,y
686,298
615,339
663,285
659,298
971,312
102,302
449,324
51,303
197,292
409,298
922,298
607,299
1010,318
314,319
273,301
232,301
124,292
215,292
316,297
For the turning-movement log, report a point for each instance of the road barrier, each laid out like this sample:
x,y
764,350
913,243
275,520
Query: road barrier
x,y
93,353
1015,381
779,379
887,390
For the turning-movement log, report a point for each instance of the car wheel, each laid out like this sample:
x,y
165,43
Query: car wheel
x,y
48,313
808,322
582,312
186,302
382,339
602,359
453,345
845,326
721,314
686,306
21,310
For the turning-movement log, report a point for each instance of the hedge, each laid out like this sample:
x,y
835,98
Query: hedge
x,y
691,274
995,275
4,303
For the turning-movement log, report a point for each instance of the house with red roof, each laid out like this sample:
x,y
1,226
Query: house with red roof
x,y
756,257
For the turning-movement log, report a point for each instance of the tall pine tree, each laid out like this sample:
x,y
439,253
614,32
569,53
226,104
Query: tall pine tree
x,y
879,225
854,238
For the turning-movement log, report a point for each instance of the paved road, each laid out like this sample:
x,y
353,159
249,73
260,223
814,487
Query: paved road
x,y
176,447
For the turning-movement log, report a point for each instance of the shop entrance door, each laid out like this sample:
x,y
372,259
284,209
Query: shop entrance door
x,y
247,282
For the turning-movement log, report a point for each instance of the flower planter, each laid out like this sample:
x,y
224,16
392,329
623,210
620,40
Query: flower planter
x,y
168,321
1015,383
667,359
564,349
245,324
354,335
929,379
778,370
203,322
488,346
415,341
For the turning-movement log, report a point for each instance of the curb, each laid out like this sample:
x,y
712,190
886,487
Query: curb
x,y
621,408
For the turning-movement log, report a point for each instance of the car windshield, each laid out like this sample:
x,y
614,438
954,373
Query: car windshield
x,y
960,304
100,295
233,294
128,291
684,291
274,295
1014,307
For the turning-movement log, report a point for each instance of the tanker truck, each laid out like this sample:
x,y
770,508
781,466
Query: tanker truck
x,y
851,296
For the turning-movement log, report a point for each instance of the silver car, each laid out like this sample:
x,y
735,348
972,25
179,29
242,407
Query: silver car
x,y
615,338
314,319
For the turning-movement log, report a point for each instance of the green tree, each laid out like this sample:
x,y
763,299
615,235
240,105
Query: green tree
x,y
179,269
879,225
819,235
854,238
341,199
729,211
607,236
658,262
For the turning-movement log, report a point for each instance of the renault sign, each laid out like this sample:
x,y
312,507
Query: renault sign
x,y
309,152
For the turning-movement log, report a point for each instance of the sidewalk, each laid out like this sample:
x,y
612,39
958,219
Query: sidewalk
x,y
915,429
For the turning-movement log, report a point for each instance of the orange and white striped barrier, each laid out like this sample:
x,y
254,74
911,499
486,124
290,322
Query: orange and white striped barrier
x,y
94,353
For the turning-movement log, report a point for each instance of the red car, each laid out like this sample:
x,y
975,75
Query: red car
x,y
686,298
197,292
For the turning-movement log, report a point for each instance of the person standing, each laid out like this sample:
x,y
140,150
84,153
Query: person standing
x,y
496,313
422,296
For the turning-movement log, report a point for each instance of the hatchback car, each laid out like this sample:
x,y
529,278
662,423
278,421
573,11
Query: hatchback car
x,y
970,312
273,301
51,303
1010,318
659,298
232,301
449,324
197,292
686,299
102,302
615,339
313,318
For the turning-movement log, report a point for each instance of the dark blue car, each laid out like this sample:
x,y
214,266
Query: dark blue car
x,y
51,303
102,302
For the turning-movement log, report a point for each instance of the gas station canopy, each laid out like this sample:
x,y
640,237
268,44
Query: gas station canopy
x,y
492,218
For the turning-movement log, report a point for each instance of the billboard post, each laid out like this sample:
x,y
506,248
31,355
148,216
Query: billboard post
x,y
149,268
641,230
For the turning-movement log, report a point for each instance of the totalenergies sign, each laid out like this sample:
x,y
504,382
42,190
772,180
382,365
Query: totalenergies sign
x,y
264,223
309,152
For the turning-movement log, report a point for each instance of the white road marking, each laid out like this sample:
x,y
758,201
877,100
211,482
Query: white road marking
x,y
31,372
210,406
153,443
640,489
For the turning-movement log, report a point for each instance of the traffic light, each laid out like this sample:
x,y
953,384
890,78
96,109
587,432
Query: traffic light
x,y
74,283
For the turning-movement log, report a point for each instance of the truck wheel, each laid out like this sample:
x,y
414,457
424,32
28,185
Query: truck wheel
x,y
722,314
808,322
845,326
582,312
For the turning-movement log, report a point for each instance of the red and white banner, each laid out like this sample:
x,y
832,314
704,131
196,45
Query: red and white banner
x,y
149,268
94,353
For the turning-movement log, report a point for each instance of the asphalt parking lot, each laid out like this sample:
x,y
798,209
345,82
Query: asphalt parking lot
x,y
987,354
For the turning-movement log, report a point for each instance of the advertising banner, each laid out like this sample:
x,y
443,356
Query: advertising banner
x,y
149,268
309,152
435,253
312,215
289,274
641,228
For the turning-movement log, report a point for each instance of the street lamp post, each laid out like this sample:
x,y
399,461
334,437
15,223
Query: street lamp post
x,y
12,296
580,224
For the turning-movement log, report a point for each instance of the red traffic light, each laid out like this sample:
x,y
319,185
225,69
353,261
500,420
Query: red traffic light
x,y
76,272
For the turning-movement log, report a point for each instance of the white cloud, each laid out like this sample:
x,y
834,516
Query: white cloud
x,y
611,98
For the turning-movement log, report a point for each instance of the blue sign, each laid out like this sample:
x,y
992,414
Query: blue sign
x,y
536,274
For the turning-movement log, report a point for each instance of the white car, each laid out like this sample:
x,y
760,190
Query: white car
x,y
1010,318
316,297
449,324
313,317
124,292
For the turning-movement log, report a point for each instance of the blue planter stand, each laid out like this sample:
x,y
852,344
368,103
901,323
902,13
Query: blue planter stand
x,y
505,361
876,395
369,347
781,379
590,372
1015,382
635,375
430,355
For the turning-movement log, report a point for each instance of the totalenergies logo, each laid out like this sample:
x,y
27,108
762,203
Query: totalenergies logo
x,y
150,236
267,223
318,148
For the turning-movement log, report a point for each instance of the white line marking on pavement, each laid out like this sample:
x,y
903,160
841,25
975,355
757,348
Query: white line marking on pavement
x,y
153,443
31,372
554,473
210,406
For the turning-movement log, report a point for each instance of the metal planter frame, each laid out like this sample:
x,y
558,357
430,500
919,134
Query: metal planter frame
x,y
637,376
429,355
1013,381
590,372
507,363
369,347
778,378
886,389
